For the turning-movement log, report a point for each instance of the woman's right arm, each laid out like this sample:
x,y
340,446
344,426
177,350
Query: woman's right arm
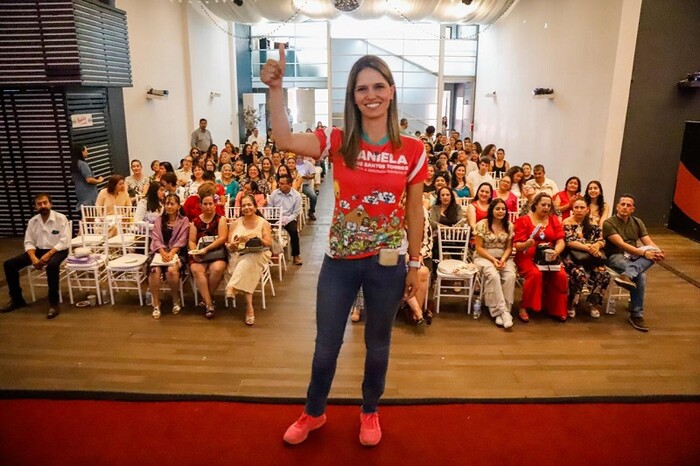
x,y
192,245
272,74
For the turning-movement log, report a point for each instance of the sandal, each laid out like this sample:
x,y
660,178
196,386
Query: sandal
x,y
571,312
210,311
156,312
176,308
250,320
523,315
595,313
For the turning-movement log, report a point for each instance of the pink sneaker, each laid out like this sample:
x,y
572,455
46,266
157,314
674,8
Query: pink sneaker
x,y
297,432
370,432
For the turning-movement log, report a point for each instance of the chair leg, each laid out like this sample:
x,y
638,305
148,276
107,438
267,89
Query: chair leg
x,y
70,289
31,284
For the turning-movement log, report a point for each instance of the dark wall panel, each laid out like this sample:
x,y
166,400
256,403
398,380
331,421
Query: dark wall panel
x,y
667,49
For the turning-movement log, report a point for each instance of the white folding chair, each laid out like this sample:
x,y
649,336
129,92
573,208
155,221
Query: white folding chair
x,y
128,271
265,279
89,272
89,213
274,216
512,216
233,212
615,292
453,265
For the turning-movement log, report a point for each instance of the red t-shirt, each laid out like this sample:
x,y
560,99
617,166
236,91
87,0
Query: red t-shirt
x,y
370,199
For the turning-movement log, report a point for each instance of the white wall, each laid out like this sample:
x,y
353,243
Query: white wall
x,y
572,47
174,47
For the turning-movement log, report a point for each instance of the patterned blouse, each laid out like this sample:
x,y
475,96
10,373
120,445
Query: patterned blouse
x,y
575,233
492,240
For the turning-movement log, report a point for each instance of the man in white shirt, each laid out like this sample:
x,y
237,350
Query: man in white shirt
x,y
290,202
255,137
463,158
540,184
46,243
475,178
403,124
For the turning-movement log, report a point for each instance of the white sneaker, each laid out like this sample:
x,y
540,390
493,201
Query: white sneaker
x,y
507,319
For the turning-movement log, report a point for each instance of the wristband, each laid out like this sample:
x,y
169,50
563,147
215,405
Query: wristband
x,y
414,258
414,264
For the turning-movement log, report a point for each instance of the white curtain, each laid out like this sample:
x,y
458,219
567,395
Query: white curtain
x,y
443,11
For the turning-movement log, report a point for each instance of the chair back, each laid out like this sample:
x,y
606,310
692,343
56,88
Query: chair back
x,y
512,216
92,212
94,234
133,237
126,213
233,212
464,201
453,242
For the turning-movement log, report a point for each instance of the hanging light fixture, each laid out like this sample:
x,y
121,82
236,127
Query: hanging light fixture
x,y
347,5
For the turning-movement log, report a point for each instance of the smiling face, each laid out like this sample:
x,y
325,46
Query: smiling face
x,y
291,164
247,206
198,172
253,172
440,182
527,170
593,190
209,166
226,172
460,172
484,193
373,94
504,183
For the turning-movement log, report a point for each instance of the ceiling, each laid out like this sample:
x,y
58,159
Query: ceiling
x,y
442,11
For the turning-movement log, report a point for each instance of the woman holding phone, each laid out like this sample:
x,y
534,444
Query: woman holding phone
x,y
379,184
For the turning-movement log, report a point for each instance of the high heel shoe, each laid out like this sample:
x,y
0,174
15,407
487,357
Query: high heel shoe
x,y
209,314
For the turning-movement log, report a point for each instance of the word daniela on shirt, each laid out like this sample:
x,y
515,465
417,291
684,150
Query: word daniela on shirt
x,y
382,162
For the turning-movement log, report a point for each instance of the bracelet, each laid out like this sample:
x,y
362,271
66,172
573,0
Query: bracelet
x,y
414,258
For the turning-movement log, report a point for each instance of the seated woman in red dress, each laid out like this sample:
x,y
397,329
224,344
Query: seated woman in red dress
x,y
541,290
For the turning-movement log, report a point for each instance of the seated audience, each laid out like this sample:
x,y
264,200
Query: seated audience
x,y
479,207
137,182
564,200
210,166
289,201
230,185
527,172
239,171
459,181
208,271
584,263
250,188
184,175
504,192
428,186
267,173
494,245
476,178
246,267
46,243
623,232
540,184
191,206
500,166
150,208
541,290
253,174
169,238
307,171
196,181
113,195
516,180
596,203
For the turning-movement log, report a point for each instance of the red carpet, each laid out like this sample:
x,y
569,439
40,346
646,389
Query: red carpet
x,y
41,432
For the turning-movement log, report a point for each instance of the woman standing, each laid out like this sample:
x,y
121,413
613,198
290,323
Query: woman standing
x,y
598,209
83,179
207,273
246,268
564,200
589,271
113,195
459,181
137,182
369,198
541,290
494,245
478,209
168,247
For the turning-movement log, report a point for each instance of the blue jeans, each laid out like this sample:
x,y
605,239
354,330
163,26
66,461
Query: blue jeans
x,y
635,270
338,283
309,191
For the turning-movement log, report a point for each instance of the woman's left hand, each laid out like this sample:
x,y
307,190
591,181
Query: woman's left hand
x,y
411,286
